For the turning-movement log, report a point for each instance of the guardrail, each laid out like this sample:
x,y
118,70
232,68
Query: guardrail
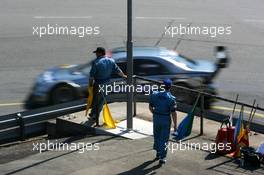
x,y
22,125
202,93
201,111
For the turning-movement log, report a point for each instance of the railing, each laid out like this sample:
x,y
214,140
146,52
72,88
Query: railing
x,y
200,110
22,125
34,122
202,93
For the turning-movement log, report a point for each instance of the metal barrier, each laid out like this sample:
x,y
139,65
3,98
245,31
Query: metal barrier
x,y
202,93
22,125
201,111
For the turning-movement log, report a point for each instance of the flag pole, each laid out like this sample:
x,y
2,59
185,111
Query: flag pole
x,y
253,115
234,108
233,112
253,106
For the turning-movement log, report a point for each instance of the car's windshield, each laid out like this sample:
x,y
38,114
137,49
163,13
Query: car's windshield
x,y
84,68
184,60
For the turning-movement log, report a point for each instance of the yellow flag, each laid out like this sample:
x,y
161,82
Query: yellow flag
x,y
108,120
89,99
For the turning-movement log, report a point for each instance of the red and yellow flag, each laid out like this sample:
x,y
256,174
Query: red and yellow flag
x,y
242,140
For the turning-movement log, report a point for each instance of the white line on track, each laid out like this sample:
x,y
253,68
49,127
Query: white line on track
x,y
10,104
62,17
89,17
236,110
160,18
254,20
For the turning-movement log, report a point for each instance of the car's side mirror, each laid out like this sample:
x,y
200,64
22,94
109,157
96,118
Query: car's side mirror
x,y
222,60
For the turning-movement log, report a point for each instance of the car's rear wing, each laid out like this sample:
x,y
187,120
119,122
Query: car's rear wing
x,y
222,59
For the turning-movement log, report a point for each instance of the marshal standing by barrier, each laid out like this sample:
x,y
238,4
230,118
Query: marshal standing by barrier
x,y
100,74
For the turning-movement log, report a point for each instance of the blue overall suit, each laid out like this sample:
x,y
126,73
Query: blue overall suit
x,y
163,103
102,69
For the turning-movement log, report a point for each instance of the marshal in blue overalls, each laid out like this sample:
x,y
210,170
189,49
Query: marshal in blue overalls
x,y
102,69
162,105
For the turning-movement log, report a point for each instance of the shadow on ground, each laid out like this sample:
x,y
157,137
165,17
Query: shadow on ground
x,y
142,169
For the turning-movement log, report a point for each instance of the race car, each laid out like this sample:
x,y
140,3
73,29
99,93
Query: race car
x,y
69,82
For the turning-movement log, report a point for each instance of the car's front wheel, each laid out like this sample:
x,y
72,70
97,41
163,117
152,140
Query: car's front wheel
x,y
62,94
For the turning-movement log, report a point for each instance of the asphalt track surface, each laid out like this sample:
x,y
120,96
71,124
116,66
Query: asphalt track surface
x,y
24,55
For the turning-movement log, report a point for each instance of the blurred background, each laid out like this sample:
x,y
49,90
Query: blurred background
x,y
23,55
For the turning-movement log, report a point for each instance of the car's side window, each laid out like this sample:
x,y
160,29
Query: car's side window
x,y
144,67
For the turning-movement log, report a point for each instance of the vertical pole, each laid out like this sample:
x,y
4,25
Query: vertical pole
x,y
135,98
22,126
231,119
234,108
129,66
250,115
201,118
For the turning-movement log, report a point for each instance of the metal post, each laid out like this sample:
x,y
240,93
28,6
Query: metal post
x,y
129,66
234,108
22,126
135,97
201,117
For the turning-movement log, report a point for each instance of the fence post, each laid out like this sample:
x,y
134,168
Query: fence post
x,y
202,113
21,125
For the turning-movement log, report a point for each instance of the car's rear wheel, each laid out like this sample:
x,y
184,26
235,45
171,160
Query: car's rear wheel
x,y
62,94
